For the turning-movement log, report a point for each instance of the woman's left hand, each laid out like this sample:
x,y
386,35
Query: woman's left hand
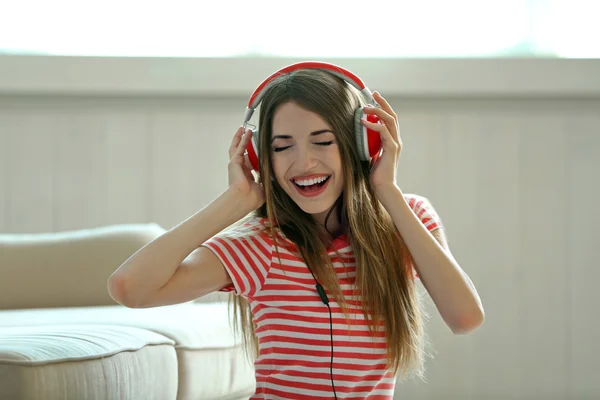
x,y
385,164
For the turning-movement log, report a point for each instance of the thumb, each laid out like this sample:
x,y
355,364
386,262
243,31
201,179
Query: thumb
x,y
247,162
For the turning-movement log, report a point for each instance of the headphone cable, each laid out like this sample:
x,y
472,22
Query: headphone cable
x,y
325,301
331,362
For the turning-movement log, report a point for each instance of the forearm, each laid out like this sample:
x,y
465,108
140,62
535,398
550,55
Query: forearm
x,y
448,285
154,264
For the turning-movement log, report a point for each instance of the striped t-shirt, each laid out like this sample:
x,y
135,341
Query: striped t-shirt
x,y
292,323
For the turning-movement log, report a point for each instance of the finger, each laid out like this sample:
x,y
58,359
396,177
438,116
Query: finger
x,y
235,141
388,142
248,174
382,114
384,104
241,147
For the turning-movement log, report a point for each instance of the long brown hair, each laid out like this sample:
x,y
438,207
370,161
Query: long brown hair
x,y
390,299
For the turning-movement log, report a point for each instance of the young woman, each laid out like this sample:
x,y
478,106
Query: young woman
x,y
322,248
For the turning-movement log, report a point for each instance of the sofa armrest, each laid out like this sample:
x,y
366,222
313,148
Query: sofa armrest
x,y
66,269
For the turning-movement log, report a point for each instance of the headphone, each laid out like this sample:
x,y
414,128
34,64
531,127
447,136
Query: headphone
x,y
368,141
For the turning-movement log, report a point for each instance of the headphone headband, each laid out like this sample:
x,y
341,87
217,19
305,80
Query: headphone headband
x,y
336,70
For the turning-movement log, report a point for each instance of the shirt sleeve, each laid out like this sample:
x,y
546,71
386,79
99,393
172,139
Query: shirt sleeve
x,y
245,252
426,213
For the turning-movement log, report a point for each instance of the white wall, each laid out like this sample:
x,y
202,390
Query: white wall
x,y
510,161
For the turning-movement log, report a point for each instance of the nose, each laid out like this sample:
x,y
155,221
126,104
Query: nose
x,y
306,158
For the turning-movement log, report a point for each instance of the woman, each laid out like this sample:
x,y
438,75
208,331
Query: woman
x,y
321,249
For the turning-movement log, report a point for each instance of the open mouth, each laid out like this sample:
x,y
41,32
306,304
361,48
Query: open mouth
x,y
312,186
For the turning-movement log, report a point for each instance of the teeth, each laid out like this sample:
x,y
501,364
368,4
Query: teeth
x,y
312,181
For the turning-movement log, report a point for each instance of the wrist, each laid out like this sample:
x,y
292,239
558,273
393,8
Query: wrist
x,y
386,190
236,204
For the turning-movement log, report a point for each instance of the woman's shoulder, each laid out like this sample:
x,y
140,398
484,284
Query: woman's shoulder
x,y
416,200
423,208
250,225
261,226
255,226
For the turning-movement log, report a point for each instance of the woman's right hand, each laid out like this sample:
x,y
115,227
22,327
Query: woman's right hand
x,y
241,180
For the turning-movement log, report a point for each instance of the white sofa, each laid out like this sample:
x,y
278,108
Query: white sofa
x,y
63,337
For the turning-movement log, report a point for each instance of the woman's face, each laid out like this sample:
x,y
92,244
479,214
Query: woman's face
x,y
306,159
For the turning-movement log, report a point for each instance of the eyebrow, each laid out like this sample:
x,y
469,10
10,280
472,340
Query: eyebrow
x,y
315,133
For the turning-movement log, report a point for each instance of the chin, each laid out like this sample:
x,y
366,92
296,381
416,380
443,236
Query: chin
x,y
322,208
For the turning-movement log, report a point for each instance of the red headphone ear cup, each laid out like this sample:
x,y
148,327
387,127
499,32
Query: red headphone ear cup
x,y
368,141
373,137
252,150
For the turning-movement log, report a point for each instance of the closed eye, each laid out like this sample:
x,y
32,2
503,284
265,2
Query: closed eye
x,y
278,149
324,143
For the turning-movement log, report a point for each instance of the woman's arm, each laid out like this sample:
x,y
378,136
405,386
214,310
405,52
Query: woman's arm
x,y
450,288
157,274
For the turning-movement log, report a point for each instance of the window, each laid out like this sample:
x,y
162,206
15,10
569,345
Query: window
x,y
307,29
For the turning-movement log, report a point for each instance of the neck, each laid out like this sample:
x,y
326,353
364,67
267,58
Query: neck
x,y
334,227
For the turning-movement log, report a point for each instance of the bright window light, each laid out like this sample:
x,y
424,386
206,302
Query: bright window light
x,y
311,28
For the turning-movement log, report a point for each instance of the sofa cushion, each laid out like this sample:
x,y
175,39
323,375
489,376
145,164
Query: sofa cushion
x,y
211,362
86,362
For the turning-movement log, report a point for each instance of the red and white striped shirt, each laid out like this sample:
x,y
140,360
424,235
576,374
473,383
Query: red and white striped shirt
x,y
293,325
